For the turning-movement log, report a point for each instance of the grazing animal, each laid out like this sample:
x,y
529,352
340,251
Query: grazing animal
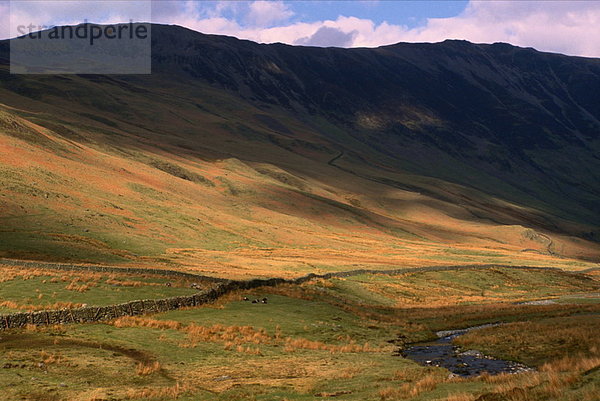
x,y
255,301
168,284
264,300
246,299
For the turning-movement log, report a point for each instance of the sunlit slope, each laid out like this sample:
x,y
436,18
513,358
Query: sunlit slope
x,y
87,200
168,170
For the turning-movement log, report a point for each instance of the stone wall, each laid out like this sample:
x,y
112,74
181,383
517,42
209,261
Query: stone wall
x,y
92,314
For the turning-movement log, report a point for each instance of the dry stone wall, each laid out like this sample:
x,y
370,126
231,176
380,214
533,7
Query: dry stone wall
x,y
92,314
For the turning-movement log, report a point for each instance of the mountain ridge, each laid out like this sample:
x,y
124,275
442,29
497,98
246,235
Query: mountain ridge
x,y
351,110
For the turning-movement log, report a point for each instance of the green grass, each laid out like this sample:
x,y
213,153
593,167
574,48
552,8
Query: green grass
x,y
312,320
41,291
499,283
329,312
41,246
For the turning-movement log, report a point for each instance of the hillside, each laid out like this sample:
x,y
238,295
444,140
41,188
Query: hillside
x,y
244,159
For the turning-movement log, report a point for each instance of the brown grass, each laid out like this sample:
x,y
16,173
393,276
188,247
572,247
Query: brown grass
x,y
172,392
9,273
293,344
419,382
148,368
83,280
349,373
30,307
543,341
388,393
73,286
552,381
239,338
574,363
95,395
51,358
461,397
142,321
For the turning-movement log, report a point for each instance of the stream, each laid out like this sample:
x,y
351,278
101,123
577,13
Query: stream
x,y
442,353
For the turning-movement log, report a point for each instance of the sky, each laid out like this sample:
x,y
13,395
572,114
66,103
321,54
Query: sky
x,y
570,27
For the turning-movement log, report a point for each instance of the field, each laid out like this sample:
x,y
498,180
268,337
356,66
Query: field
x,y
36,289
322,339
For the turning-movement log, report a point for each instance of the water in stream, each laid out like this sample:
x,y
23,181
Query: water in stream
x,y
442,353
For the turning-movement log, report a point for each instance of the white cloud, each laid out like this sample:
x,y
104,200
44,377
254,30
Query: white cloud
x,y
560,26
4,19
570,27
49,12
264,13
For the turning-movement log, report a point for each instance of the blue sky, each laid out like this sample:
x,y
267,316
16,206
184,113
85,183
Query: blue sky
x,y
570,27
410,13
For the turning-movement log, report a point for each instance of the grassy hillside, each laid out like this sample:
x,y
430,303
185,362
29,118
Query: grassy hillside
x,y
83,198
175,169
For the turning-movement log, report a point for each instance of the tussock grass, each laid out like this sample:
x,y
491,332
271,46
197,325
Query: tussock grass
x,y
542,342
461,397
574,363
425,383
169,393
144,321
31,307
50,358
239,338
147,368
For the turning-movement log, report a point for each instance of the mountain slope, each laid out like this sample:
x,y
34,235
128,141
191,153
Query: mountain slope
x,y
507,110
248,158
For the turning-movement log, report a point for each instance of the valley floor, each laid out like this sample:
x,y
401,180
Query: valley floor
x,y
336,337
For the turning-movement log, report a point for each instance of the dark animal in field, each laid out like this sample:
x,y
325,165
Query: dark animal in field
x,y
168,284
255,301
264,300
246,299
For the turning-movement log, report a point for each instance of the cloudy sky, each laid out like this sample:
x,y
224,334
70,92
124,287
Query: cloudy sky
x,y
570,27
